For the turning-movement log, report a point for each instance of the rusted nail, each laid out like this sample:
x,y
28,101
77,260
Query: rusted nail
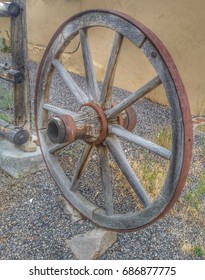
x,y
154,54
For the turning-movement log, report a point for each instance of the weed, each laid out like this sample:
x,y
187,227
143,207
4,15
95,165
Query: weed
x,y
191,249
6,99
32,120
194,198
164,138
5,45
150,173
6,103
198,251
6,118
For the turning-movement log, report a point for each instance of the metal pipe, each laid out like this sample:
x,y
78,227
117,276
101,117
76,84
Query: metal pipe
x,y
9,9
9,74
13,134
56,130
62,129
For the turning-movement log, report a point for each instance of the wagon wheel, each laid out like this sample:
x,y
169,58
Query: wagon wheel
x,y
102,126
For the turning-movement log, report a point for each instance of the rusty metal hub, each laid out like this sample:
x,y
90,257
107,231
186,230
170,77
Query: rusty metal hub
x,y
90,124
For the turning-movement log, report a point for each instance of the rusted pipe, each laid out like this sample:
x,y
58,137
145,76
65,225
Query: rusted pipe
x,y
9,74
9,9
13,134
61,129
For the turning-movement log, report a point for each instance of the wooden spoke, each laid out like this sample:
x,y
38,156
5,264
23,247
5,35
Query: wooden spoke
x,y
106,182
93,89
57,110
113,112
121,160
106,94
129,136
81,166
57,148
71,84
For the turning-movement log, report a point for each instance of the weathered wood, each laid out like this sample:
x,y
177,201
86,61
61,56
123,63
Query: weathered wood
x,y
83,162
176,116
57,148
157,55
71,84
57,110
22,100
129,136
121,160
15,135
9,9
93,89
129,221
113,112
105,177
78,201
9,74
66,128
106,94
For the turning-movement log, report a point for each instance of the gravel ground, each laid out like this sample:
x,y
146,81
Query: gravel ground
x,y
34,224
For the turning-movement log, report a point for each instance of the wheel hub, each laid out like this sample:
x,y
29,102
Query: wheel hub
x,y
90,124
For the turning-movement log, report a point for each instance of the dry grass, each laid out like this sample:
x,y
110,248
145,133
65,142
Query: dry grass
x,y
187,248
151,175
150,171
190,208
201,128
164,138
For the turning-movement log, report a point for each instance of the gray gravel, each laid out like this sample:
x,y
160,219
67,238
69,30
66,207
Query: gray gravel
x,y
35,226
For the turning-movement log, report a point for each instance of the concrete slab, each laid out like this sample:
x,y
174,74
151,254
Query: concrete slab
x,y
18,163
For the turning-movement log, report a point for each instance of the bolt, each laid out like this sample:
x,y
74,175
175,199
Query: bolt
x,y
154,54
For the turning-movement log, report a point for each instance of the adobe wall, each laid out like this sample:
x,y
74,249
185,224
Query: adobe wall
x,y
179,24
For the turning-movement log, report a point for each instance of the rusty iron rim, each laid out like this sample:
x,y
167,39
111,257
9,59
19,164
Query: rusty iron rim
x,y
181,93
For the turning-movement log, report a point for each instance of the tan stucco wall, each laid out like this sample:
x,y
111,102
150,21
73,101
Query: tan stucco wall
x,y
180,24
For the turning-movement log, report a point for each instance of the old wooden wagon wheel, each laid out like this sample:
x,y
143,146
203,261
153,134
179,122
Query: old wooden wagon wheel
x,y
87,135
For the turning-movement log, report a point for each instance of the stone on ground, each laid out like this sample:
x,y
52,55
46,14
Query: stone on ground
x,y
93,244
69,210
29,146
